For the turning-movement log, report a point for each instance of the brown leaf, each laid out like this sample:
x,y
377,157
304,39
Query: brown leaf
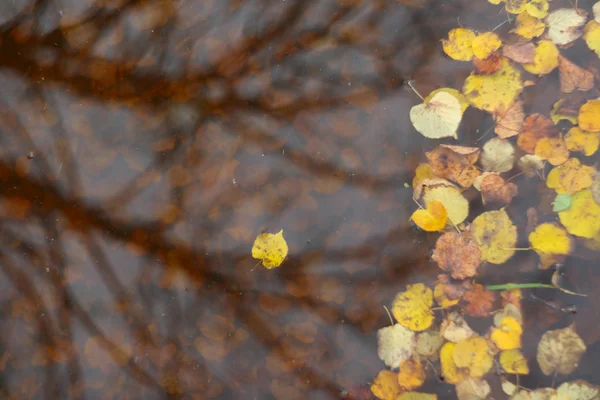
x,y
573,77
479,302
509,121
448,163
521,53
457,254
495,189
489,65
535,127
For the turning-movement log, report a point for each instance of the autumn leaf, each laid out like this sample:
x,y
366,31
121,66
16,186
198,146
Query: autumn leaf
x,y
550,238
449,162
484,44
565,25
457,254
270,248
535,127
474,355
464,103
458,46
508,335
441,298
530,164
589,116
591,35
488,65
432,219
411,375
514,362
571,177
573,77
454,328
582,141
552,149
496,91
545,59
449,195
577,390
429,344
451,372
559,351
385,385
498,155
438,118
496,236
528,27
522,53
509,121
495,189
537,8
478,301
412,308
472,389
395,344
583,217
516,6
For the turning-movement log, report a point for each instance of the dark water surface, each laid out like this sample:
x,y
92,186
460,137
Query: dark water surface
x,y
145,144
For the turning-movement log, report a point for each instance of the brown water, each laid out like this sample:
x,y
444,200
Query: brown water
x,y
145,144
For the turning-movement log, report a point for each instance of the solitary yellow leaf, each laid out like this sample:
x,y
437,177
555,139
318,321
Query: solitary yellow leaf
x,y
412,308
553,149
432,219
514,362
496,236
559,351
411,375
270,248
438,118
583,217
385,386
452,374
589,116
580,140
508,335
591,35
485,44
494,92
528,27
474,355
545,59
571,177
458,46
550,238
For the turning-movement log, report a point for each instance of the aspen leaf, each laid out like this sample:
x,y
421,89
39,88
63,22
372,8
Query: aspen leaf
x,y
422,172
473,354
528,27
537,8
578,390
583,217
589,116
458,46
573,77
438,118
478,302
412,308
516,6
457,254
564,25
552,149
559,351
464,103
385,385
498,155
472,389
411,375
270,248
561,202
545,59
488,65
416,396
591,35
455,163
485,44
496,236
571,177
509,121
535,127
514,362
454,328
429,344
582,141
496,91
452,373
495,189
453,200
395,344
508,335
432,219
523,53
509,388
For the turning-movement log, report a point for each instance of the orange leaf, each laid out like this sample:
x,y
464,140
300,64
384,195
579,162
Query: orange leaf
x,y
432,219
457,254
495,189
535,127
453,164
479,302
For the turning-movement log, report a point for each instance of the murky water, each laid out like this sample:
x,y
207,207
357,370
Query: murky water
x,y
145,144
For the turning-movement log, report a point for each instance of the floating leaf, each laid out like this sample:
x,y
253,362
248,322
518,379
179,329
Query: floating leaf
x,y
591,35
474,355
562,110
571,177
535,127
453,200
270,248
416,396
488,65
496,91
498,155
583,218
545,59
530,164
510,121
451,372
573,77
496,236
438,118
458,46
455,163
411,375
432,219
559,351
485,44
528,27
564,25
422,172
514,362
472,389
589,116
495,189
454,328
385,386
508,335
412,308
522,53
552,149
561,202
457,254
464,103
516,6
578,390
479,302
580,140
429,344
537,8
395,344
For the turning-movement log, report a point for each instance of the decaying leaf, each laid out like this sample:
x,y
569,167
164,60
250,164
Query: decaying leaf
x,y
454,328
559,351
583,217
385,385
537,8
509,121
452,373
474,355
509,310
589,116
550,238
457,254
431,219
494,189
464,103
494,92
458,46
564,25
455,163
411,375
552,149
478,301
516,6
498,155
522,53
545,59
441,298
528,27
395,344
514,362
496,236
429,344
412,308
571,177
488,65
270,248
449,195
508,335
422,172
484,44
535,127
566,109
573,77
438,118
472,389
578,390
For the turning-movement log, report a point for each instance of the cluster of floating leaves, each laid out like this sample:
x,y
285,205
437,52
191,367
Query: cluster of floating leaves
x,y
417,343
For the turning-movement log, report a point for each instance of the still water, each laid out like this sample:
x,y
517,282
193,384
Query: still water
x,y
145,144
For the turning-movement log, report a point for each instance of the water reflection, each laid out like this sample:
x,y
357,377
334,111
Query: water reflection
x,y
144,144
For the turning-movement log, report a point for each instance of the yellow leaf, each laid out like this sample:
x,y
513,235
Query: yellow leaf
x,y
564,25
496,236
545,59
472,389
395,344
271,248
514,362
429,344
537,8
571,177
411,375
583,217
464,104
452,374
474,355
558,113
550,238
453,200
589,116
591,35
528,27
553,149
559,351
508,335
417,396
385,386
577,390
494,92
432,219
580,140
422,172
458,46
441,298
516,6
438,118
485,44
412,308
